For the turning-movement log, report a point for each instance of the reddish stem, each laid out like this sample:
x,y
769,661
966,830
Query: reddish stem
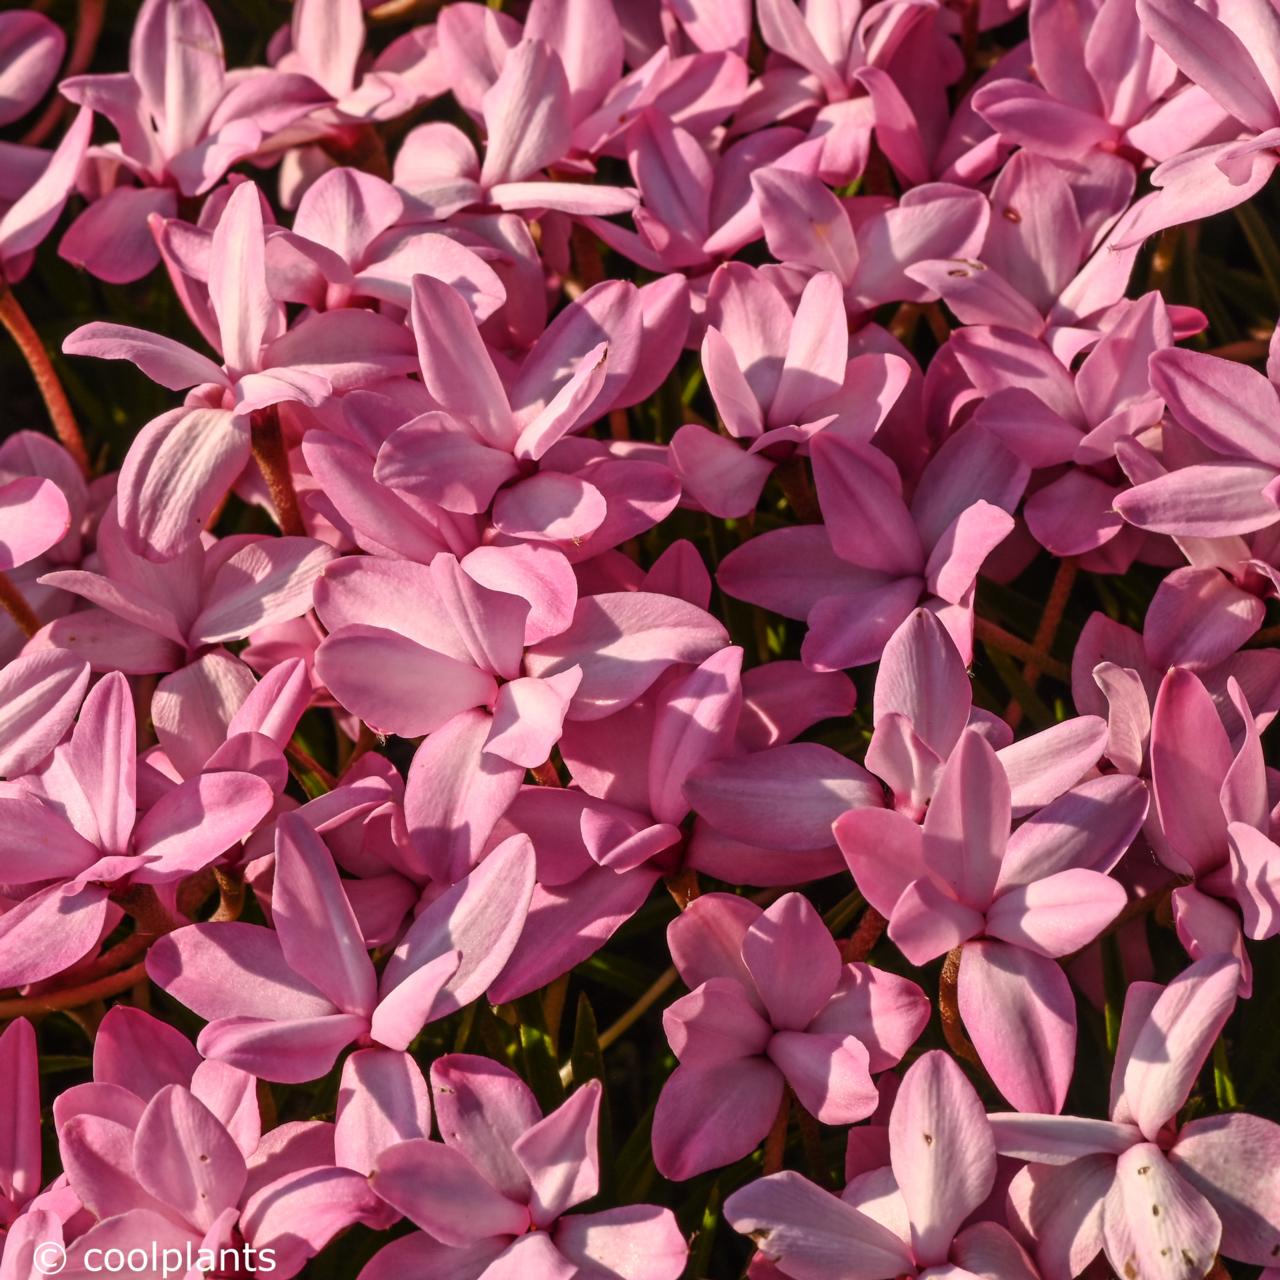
x,y
15,320
74,997
89,17
775,1144
996,637
15,605
859,944
273,461
949,1008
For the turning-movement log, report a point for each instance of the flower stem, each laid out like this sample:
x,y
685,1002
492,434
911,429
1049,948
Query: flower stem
x,y
273,461
15,605
74,997
859,944
775,1144
683,886
949,1008
996,637
15,320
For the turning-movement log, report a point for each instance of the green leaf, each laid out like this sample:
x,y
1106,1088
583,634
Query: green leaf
x,y
542,1070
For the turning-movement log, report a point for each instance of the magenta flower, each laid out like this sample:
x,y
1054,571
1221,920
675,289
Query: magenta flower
x,y
772,1007
161,616
1015,903
492,1198
528,125
164,1147
284,1003
33,190
1139,1187
183,462
181,121
903,1221
923,705
74,833
1214,809
855,578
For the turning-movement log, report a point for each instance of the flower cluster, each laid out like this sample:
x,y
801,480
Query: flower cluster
x,y
751,521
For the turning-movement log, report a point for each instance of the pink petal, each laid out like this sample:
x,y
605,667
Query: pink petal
x,y
706,940
1229,406
49,932
480,916
814,1234
455,794
927,922
550,507
1190,758
528,717
711,1116
967,825
634,1242
943,1154
861,496
715,1023
923,677
33,517
102,754
1090,826
794,961
482,1108
884,851
559,1155
139,1052
40,693
1197,618
185,1158
694,723
786,797
289,1051
263,583
623,641
459,374
429,458
178,470
162,359
197,822
394,684
716,472
438,1189
1058,914
313,919
1171,1044
1151,1214
238,282
1231,1160
1001,987
1043,765
233,970
526,114
828,1074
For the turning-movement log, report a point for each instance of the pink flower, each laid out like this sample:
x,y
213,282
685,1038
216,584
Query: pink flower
x,y
182,123
856,578
72,834
1139,1187
1015,903
284,1003
1214,810
901,1221
182,463
772,1007
492,1198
